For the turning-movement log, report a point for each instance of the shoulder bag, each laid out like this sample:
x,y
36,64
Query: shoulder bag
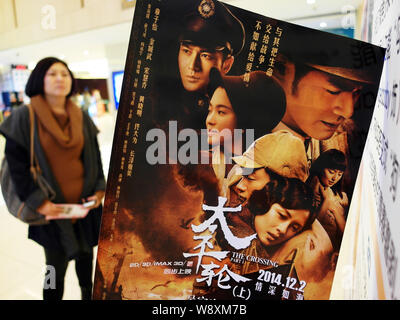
x,y
14,205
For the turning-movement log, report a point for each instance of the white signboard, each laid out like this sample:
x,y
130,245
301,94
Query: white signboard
x,y
369,263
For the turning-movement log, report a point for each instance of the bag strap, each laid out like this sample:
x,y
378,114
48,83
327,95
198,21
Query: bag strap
x,y
34,163
34,169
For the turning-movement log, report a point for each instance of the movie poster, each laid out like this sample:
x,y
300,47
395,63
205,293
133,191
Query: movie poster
x,y
235,155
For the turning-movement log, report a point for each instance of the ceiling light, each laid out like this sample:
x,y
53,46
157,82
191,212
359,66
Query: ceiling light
x,y
86,53
323,24
310,1
97,68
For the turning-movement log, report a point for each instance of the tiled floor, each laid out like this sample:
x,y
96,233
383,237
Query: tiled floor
x,y
22,264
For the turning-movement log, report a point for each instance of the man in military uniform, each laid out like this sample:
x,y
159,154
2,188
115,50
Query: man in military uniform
x,y
323,77
211,36
326,80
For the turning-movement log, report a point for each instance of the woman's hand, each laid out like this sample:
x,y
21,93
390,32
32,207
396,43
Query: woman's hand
x,y
48,208
97,198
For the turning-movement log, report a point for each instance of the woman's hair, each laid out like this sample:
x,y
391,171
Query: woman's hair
x,y
35,85
290,193
330,159
258,105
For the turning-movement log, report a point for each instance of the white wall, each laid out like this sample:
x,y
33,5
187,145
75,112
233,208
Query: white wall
x,y
23,22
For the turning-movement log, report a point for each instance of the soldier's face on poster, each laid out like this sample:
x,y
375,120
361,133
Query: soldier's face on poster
x,y
319,104
195,63
221,116
279,224
250,183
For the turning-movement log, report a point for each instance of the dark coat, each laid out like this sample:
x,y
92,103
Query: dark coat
x,y
60,235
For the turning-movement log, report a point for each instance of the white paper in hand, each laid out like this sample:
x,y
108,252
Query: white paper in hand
x,y
71,211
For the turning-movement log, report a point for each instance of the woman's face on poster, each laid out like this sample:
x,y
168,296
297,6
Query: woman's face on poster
x,y
330,177
221,119
279,224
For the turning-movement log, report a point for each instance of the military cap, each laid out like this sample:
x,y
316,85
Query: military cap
x,y
211,24
281,152
337,55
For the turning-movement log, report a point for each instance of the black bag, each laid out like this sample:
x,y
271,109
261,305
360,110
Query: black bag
x,y
14,205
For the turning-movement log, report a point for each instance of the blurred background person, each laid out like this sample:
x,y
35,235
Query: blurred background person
x,y
68,154
98,102
87,100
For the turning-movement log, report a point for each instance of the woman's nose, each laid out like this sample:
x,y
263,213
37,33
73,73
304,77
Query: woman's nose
x,y
336,176
282,228
210,118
